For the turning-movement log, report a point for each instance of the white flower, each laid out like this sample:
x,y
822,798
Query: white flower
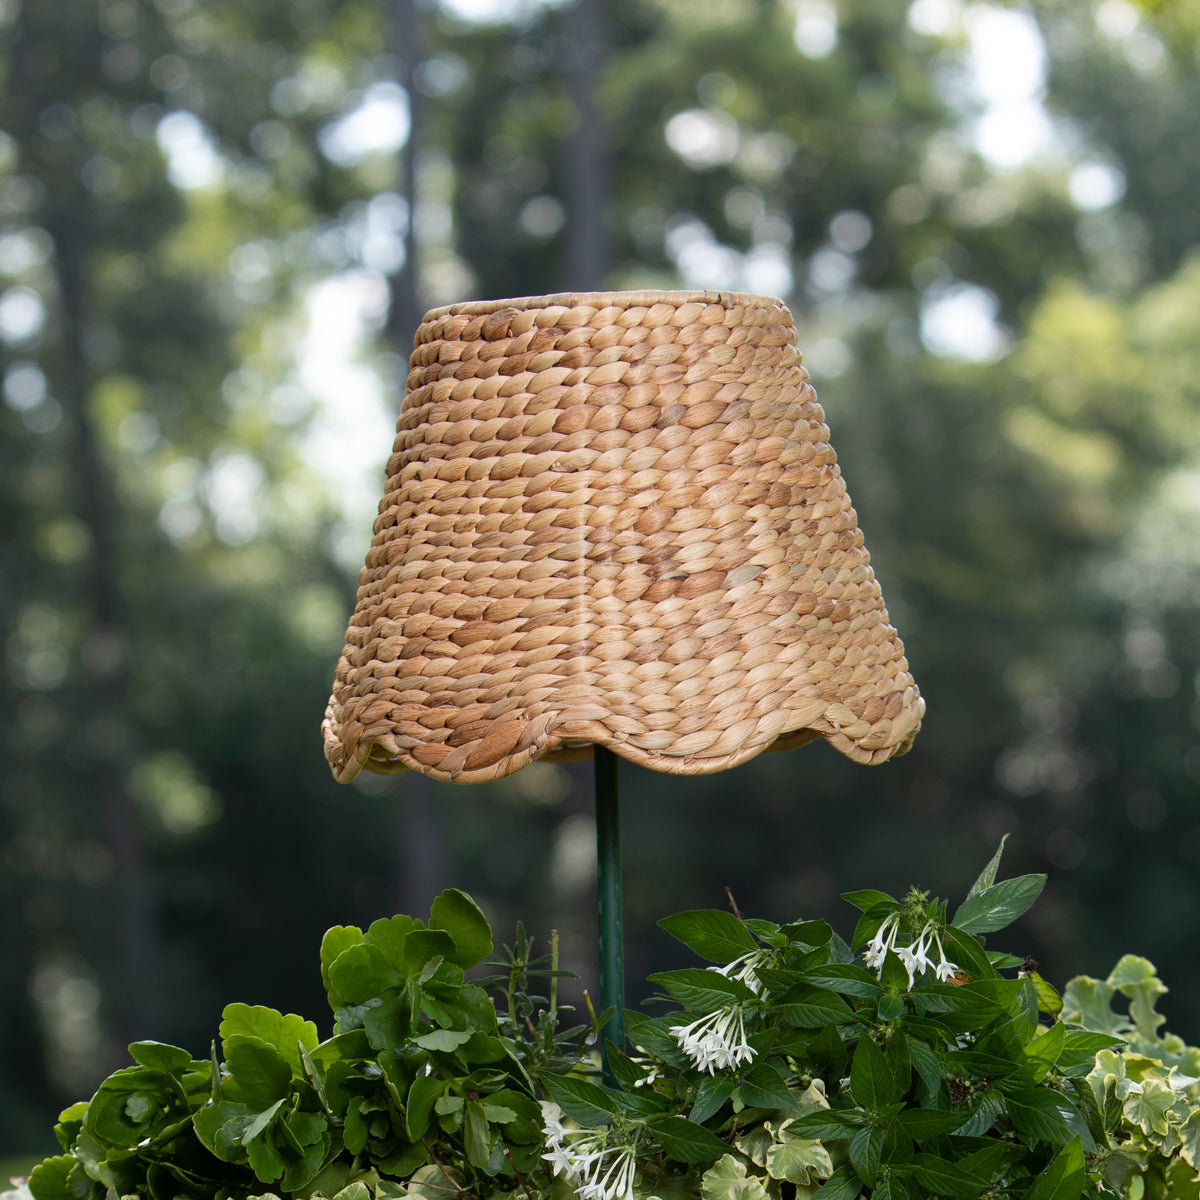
x,y
716,1040
944,967
743,969
915,956
883,941
552,1127
561,1160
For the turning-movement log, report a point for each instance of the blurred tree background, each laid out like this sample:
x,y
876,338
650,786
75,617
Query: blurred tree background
x,y
219,223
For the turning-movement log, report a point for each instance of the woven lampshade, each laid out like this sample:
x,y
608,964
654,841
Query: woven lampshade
x,y
614,518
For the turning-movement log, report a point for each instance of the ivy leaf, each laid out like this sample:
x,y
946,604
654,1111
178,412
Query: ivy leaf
x,y
460,917
712,933
727,1180
1088,1002
998,906
799,1160
1148,1108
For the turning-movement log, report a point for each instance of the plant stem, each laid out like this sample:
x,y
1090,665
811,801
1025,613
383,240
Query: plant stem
x,y
608,873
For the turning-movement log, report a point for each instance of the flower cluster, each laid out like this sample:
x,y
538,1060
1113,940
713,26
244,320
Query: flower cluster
x,y
597,1167
716,1040
744,970
915,956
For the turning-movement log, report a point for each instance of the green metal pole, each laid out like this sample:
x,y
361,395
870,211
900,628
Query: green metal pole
x,y
608,878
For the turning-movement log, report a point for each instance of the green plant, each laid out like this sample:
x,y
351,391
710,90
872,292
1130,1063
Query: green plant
x,y
908,1062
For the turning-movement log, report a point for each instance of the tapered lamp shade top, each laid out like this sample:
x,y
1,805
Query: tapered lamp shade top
x,y
614,518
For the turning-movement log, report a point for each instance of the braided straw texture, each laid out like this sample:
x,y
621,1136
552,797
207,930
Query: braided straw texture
x,y
614,518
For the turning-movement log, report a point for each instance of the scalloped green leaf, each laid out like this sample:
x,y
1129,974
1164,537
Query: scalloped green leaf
x,y
285,1033
459,916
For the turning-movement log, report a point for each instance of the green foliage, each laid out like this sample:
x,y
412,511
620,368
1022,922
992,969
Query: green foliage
x,y
794,1065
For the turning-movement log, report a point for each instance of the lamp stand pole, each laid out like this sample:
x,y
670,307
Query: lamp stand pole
x,y
608,878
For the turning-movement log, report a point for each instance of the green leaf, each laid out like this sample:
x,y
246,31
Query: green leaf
x,y
987,876
713,1092
1048,1000
460,917
866,1147
424,1091
583,1101
926,1064
765,1087
220,1126
335,941
1042,1113
871,1079
941,1178
425,946
475,1134
685,1141
847,979
361,973
812,1008
443,1039
1080,1049
158,1056
829,1123
868,898
712,933
284,1033
999,905
1043,1051
700,990
890,1007
809,933
843,1184
923,1123
259,1071
1064,1179
48,1180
